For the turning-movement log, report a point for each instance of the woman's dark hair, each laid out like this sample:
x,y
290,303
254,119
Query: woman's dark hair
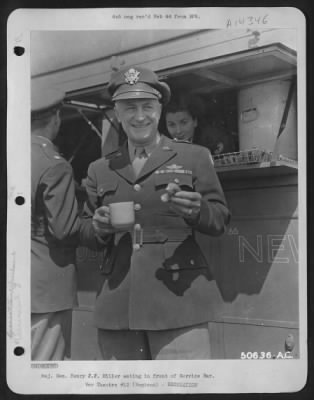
x,y
185,102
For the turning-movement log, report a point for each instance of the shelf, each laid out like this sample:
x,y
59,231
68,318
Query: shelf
x,y
263,169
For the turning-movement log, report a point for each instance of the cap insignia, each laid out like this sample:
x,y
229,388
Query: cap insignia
x,y
131,76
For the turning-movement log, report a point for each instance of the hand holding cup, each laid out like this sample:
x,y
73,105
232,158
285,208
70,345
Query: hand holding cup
x,y
114,218
101,221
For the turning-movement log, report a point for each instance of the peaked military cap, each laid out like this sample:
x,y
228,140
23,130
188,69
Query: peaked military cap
x,y
44,99
138,83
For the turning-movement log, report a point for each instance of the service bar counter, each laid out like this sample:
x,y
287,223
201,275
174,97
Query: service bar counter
x,y
255,264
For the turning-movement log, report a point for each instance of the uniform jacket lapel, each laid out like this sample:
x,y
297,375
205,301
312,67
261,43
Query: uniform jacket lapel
x,y
160,155
121,164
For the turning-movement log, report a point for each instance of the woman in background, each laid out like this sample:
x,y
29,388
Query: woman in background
x,y
185,121
182,116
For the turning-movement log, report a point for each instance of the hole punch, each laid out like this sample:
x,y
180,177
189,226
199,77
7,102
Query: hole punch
x,y
19,200
19,50
19,351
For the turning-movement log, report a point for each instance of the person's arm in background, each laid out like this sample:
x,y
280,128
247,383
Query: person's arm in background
x,y
60,203
90,235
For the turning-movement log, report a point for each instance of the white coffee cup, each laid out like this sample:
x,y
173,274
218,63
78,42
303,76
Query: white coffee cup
x,y
122,214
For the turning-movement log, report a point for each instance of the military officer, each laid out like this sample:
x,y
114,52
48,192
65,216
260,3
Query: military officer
x,y
153,300
54,232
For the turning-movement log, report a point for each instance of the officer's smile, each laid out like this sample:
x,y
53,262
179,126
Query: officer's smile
x,y
142,126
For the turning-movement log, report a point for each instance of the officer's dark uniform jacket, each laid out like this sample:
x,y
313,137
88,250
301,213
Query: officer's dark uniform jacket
x,y
165,283
55,227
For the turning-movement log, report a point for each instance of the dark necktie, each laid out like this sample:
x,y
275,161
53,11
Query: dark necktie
x,y
139,160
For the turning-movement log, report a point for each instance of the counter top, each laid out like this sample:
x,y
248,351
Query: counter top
x,y
278,168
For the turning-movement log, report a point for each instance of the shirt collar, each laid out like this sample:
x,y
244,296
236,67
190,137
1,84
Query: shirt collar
x,y
149,148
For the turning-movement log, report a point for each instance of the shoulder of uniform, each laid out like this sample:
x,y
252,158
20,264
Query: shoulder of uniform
x,y
100,162
201,148
51,154
197,151
55,157
187,145
107,157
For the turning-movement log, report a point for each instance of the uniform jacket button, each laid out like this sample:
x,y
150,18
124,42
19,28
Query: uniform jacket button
x,y
137,187
137,207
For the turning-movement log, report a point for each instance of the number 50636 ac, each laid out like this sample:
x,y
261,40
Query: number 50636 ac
x,y
262,355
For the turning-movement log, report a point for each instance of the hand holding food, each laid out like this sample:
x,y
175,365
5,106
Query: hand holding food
x,y
186,204
171,190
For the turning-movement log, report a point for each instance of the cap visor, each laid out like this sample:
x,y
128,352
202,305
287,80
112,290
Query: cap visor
x,y
134,95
